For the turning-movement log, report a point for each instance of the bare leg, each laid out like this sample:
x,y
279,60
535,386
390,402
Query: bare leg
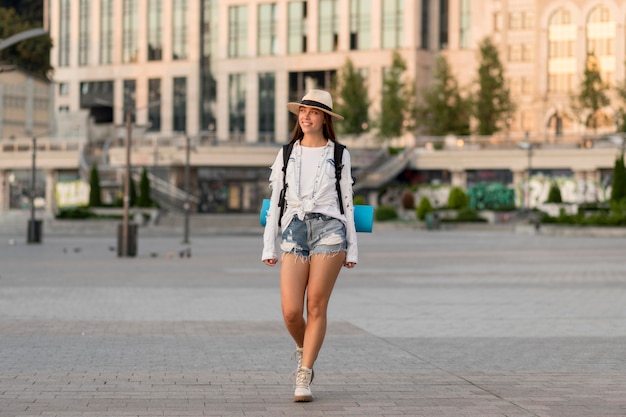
x,y
294,275
323,273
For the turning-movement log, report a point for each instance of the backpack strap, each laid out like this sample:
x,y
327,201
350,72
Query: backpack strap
x,y
338,168
281,201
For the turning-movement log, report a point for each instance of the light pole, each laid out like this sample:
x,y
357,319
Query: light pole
x,y
22,36
34,226
124,234
125,223
186,206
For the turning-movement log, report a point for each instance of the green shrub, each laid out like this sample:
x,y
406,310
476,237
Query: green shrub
x,y
618,191
94,188
457,198
358,200
465,215
384,213
75,213
554,196
423,208
144,199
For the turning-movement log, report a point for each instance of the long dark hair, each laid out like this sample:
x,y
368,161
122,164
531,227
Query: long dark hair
x,y
328,130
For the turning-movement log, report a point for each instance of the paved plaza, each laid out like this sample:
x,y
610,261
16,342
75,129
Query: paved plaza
x,y
430,323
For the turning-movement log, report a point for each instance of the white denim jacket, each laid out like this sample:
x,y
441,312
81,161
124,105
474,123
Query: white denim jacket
x,y
326,201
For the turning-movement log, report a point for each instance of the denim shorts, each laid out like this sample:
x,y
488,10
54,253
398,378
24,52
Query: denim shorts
x,y
316,234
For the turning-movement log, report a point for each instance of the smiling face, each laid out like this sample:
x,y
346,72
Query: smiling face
x,y
311,120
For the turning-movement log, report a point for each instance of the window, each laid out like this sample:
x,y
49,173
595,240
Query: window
x,y
360,24
237,105
443,24
515,20
180,104
296,27
267,104
130,102
267,40
527,53
155,30
465,24
328,26
392,24
601,32
497,21
515,53
84,26
154,111
208,48
129,32
425,29
64,89
106,31
237,31
561,59
179,30
64,33
529,20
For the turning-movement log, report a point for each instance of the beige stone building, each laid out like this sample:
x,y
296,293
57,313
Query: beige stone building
x,y
227,68
223,71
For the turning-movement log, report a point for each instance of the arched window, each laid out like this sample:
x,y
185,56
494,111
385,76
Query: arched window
x,y
601,40
561,58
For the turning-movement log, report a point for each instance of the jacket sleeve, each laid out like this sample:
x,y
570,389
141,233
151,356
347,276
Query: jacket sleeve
x,y
348,208
271,225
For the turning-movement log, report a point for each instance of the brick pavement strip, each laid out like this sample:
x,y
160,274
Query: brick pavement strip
x,y
428,325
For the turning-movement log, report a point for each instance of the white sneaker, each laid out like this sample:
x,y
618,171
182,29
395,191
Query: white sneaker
x,y
303,392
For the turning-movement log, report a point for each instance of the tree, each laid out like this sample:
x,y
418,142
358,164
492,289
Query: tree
x,y
592,96
423,208
353,101
618,191
132,193
144,199
397,106
31,55
442,110
457,199
554,195
94,188
492,105
620,112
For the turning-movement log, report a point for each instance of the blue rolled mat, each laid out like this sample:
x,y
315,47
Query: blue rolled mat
x,y
363,216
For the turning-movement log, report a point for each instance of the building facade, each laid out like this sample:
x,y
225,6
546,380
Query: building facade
x,y
227,68
222,72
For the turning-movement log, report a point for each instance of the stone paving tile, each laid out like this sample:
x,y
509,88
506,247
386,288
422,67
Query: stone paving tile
x,y
452,324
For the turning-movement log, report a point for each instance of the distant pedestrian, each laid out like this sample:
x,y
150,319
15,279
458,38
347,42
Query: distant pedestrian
x,y
318,232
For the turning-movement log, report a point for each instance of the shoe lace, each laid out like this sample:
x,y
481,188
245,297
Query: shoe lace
x,y
296,355
303,377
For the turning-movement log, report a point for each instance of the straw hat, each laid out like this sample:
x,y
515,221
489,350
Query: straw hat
x,y
318,99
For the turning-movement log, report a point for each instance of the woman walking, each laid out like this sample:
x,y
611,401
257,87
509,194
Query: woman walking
x,y
318,232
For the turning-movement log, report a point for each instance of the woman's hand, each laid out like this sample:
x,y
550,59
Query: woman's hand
x,y
270,262
350,264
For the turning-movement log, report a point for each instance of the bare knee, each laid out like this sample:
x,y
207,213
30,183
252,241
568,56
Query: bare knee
x,y
316,308
292,316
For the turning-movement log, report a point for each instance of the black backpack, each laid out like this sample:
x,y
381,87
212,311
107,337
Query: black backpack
x,y
338,167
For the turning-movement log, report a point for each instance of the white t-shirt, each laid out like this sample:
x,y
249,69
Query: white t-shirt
x,y
310,161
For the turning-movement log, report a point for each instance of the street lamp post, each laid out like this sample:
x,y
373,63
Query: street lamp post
x,y
34,226
125,221
187,203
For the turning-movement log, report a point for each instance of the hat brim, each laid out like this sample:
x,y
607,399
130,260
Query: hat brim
x,y
295,109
